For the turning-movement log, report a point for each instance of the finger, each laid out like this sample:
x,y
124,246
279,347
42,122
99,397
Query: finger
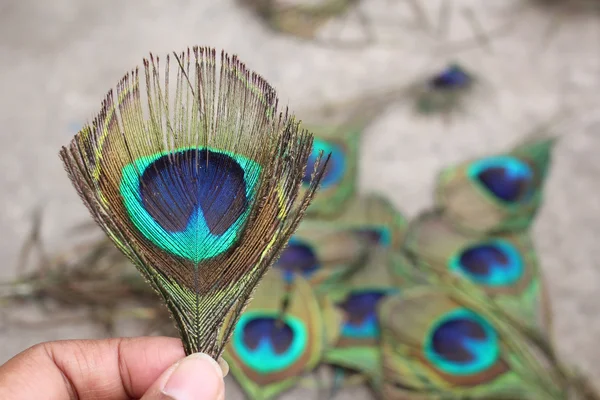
x,y
88,369
196,377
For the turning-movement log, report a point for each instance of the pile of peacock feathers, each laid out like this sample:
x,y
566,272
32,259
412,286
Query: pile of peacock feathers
x,y
450,305
211,193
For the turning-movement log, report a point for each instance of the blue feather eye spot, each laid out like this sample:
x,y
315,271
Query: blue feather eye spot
x,y
360,308
508,179
462,343
335,167
375,236
191,202
267,344
297,258
452,78
492,263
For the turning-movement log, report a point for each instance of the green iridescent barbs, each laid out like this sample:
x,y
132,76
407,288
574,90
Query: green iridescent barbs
x,y
178,171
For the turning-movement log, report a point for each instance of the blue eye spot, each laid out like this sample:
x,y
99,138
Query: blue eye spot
x,y
297,258
507,178
453,77
175,186
375,236
361,312
493,263
268,344
462,343
336,166
190,202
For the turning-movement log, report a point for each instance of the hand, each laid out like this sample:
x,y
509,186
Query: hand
x,y
150,368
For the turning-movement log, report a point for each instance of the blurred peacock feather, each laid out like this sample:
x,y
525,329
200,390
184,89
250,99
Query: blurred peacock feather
x,y
308,19
446,92
305,20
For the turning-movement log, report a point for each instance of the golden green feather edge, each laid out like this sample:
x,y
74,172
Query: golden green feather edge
x,y
229,115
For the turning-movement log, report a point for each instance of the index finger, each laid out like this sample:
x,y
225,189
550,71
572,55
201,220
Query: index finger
x,y
88,369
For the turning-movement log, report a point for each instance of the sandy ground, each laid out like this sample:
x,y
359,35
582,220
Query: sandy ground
x,y
58,59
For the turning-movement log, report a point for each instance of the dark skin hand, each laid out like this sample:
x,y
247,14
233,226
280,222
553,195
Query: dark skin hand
x,y
147,368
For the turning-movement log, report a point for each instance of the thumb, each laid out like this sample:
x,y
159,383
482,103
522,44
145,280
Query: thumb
x,y
196,377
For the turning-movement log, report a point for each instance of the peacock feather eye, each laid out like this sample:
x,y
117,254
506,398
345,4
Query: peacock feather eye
x,y
339,177
375,236
323,253
446,92
437,342
279,337
268,344
491,263
336,167
297,258
208,202
374,220
496,194
453,77
357,347
501,266
360,308
462,342
507,178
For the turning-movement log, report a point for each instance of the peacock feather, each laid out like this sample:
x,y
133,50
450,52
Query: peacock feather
x,y
328,251
445,92
497,193
196,180
375,220
436,345
504,267
355,356
358,299
338,130
323,253
270,350
340,176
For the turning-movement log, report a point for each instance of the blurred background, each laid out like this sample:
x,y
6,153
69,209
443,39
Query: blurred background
x,y
532,59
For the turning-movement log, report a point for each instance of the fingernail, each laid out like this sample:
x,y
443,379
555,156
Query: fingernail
x,y
196,377
224,366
